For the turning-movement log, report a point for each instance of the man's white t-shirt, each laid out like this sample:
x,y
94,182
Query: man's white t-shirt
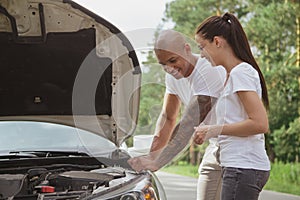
x,y
180,87
240,152
204,80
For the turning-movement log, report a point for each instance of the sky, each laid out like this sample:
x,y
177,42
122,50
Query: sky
x,y
137,19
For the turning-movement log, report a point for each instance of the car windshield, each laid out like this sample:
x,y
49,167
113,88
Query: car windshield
x,y
39,136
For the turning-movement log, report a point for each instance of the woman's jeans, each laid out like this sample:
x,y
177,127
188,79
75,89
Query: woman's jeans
x,y
242,184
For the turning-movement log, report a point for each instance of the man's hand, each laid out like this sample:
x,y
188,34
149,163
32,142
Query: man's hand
x,y
143,163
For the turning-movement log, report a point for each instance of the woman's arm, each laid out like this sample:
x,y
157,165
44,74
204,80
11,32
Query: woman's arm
x,y
256,123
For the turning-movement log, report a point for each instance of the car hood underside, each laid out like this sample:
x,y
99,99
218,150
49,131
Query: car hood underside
x,y
63,64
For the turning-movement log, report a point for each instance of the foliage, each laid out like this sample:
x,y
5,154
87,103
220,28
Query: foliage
x,y
187,14
271,34
283,95
283,177
287,142
182,168
152,92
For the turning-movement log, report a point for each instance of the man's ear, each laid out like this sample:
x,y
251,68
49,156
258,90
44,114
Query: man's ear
x,y
187,47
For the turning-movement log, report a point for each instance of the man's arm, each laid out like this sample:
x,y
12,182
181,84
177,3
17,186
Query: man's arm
x,y
166,121
194,114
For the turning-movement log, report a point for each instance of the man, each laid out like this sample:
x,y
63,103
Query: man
x,y
192,81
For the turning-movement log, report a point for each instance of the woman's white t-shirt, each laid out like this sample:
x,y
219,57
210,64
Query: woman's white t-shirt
x,y
240,152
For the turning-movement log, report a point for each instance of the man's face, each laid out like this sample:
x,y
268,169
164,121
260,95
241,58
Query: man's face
x,y
174,64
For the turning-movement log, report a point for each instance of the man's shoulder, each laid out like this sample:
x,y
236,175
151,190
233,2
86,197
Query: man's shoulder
x,y
203,61
204,64
204,68
171,80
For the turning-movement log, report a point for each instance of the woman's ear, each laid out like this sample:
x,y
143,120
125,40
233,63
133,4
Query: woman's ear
x,y
218,41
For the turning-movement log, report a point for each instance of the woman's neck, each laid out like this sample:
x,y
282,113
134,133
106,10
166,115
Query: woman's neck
x,y
230,60
230,63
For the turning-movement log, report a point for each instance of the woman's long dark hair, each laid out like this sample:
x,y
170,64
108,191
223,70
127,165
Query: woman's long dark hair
x,y
232,31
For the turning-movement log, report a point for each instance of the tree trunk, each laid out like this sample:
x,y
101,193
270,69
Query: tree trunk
x,y
193,154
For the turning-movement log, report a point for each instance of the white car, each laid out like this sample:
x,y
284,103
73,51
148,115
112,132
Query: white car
x,y
69,85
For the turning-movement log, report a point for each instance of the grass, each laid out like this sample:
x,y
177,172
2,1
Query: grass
x,y
182,168
283,178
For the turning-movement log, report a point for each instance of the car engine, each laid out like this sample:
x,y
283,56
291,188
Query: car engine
x,y
64,182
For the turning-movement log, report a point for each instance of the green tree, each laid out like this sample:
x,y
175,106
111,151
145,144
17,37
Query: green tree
x,y
272,34
187,14
152,94
284,102
287,142
283,95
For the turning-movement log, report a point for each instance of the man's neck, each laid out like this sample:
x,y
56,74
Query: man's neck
x,y
193,62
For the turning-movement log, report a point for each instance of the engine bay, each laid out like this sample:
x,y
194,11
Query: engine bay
x,y
39,182
58,178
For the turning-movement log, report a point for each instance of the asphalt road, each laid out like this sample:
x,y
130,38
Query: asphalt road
x,y
180,187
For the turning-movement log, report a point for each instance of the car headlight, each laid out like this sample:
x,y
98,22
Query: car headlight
x,y
147,193
141,188
130,196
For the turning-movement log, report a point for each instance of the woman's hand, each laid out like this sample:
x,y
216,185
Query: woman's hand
x,y
204,132
200,134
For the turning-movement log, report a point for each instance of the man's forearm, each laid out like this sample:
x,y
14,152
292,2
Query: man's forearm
x,y
164,128
193,116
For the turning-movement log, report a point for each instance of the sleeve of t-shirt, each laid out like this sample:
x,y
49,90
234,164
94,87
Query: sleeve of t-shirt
x,y
169,85
244,78
210,79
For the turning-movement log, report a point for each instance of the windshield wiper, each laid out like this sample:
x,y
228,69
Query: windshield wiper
x,y
12,155
41,154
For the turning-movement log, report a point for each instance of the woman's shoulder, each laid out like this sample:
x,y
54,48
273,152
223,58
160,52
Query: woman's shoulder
x,y
244,68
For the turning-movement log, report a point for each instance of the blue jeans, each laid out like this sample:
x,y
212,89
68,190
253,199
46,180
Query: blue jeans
x,y
242,184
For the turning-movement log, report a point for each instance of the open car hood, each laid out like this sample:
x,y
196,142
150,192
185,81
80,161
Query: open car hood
x,y
63,64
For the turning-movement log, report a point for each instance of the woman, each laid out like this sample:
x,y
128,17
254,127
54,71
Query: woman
x,y
240,111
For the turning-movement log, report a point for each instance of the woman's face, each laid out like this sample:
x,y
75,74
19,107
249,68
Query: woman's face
x,y
207,49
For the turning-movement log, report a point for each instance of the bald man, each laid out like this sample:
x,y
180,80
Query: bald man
x,y
191,81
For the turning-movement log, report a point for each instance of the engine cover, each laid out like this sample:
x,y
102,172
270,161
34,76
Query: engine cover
x,y
78,180
10,184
